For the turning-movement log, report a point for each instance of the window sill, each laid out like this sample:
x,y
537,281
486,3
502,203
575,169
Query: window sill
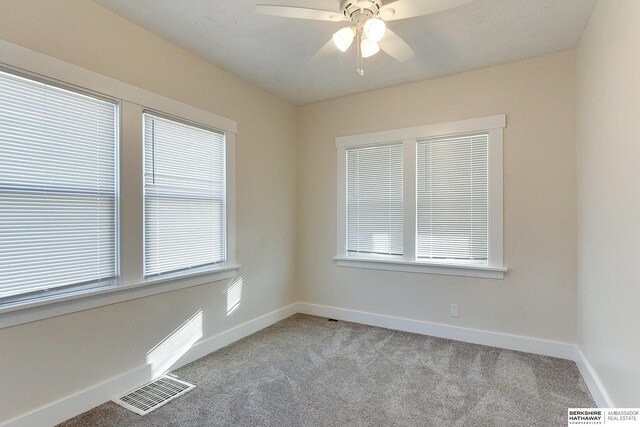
x,y
423,267
14,314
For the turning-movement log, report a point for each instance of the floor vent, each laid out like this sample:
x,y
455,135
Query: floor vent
x,y
154,394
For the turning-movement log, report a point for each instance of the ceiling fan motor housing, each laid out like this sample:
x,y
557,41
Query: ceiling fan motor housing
x,y
359,11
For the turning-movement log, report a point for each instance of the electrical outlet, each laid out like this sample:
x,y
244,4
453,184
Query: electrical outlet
x,y
454,311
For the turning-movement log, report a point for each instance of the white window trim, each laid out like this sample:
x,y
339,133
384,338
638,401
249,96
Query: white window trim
x,y
133,100
495,269
224,197
71,302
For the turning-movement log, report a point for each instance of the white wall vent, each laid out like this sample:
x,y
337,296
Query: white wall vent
x,y
154,394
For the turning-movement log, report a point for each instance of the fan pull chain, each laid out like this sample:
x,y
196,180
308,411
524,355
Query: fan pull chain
x,y
360,69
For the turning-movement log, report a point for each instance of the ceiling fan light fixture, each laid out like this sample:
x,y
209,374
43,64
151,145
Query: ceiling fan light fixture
x,y
343,38
369,48
375,29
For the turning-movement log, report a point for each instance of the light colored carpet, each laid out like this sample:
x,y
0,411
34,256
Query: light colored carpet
x,y
308,371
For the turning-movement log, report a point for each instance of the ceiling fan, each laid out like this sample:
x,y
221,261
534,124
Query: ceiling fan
x,y
366,23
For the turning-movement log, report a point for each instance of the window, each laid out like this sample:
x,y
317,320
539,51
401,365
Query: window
x,y
184,196
425,199
73,238
374,200
452,199
58,198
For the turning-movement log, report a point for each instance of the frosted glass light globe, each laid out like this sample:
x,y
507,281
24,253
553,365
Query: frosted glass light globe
x,y
343,38
369,48
374,29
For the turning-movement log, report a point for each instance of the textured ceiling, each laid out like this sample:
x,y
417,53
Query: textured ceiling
x,y
275,53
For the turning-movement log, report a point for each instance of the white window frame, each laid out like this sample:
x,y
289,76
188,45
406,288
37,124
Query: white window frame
x,y
225,238
494,127
25,298
131,283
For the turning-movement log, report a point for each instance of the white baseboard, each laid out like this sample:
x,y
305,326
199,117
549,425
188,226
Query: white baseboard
x,y
73,405
596,388
475,336
80,402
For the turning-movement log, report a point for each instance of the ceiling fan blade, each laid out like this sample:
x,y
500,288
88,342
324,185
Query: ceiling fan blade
x,y
403,9
395,47
324,52
299,12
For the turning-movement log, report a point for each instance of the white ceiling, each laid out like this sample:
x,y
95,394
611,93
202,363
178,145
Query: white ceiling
x,y
275,53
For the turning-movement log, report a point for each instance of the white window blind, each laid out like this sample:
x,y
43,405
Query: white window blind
x,y
452,199
184,196
57,188
374,200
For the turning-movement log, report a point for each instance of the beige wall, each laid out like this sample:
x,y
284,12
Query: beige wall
x,y
537,298
608,148
48,360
